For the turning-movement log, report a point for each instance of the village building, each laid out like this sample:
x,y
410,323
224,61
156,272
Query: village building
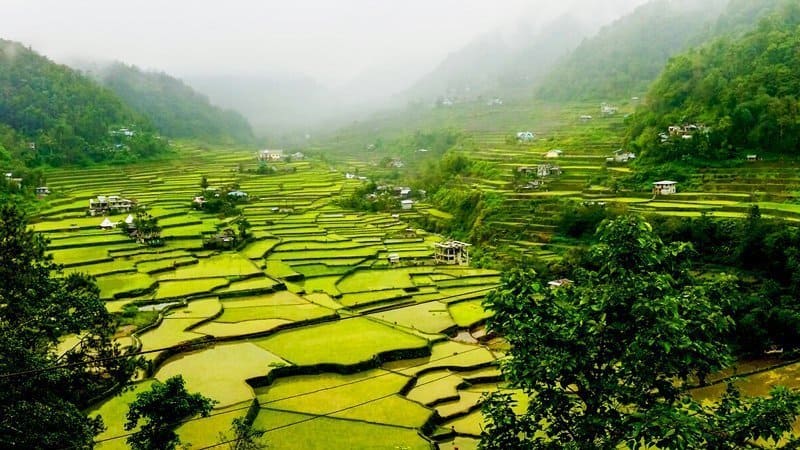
x,y
407,204
546,170
525,136
42,191
665,187
198,202
397,163
585,118
405,192
223,239
752,158
129,222
270,155
608,110
621,156
350,176
495,102
555,153
533,185
297,156
113,203
12,179
451,253
107,224
526,170
393,258
238,195
563,282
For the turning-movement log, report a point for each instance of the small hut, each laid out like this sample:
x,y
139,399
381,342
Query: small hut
x,y
107,224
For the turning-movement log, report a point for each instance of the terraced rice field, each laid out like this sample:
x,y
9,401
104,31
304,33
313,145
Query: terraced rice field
x,y
307,323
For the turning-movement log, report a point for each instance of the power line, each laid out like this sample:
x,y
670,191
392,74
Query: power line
x,y
303,394
318,416
187,346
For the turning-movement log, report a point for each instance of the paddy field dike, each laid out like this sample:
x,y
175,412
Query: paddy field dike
x,y
306,328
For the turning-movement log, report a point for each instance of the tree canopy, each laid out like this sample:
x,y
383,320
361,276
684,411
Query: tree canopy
x,y
51,114
175,108
607,360
744,90
42,389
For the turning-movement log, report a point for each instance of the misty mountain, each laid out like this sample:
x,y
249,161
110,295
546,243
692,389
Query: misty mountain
x,y
494,64
625,56
744,89
52,114
175,108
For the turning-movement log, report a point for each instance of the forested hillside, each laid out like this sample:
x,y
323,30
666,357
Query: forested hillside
x,y
624,57
742,92
175,108
51,114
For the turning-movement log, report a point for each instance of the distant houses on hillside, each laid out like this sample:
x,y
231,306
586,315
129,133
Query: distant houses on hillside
x,y
526,136
608,110
102,205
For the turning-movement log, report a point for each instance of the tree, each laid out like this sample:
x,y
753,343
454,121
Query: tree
x,y
42,391
607,361
161,409
243,225
245,437
203,182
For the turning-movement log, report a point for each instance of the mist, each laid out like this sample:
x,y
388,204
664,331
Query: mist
x,y
293,64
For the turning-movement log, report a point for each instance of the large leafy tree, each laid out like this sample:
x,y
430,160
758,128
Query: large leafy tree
x,y
42,389
161,409
607,360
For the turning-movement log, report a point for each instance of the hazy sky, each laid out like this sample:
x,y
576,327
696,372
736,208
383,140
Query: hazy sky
x,y
331,40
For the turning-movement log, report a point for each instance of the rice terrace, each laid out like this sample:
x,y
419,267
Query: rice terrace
x,y
511,225
311,293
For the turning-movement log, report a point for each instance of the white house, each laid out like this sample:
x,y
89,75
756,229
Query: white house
x,y
393,258
270,155
559,283
554,154
298,156
407,204
526,136
752,158
42,191
608,110
451,253
665,187
405,192
106,224
586,118
622,156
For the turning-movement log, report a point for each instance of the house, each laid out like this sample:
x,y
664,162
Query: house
x,y
223,239
397,163
665,187
422,150
393,258
525,136
535,184
451,253
125,132
685,131
555,153
113,203
106,224
585,118
350,176
447,102
622,156
270,155
42,191
297,156
410,233
129,222
495,102
395,216
526,170
752,158
407,204
198,202
238,195
608,110
546,170
563,282
10,177
405,192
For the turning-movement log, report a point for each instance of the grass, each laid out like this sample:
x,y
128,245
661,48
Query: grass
x,y
112,286
344,342
367,395
291,313
201,370
468,313
186,288
292,431
227,264
428,317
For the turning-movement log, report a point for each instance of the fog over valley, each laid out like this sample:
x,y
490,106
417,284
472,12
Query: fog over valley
x,y
296,65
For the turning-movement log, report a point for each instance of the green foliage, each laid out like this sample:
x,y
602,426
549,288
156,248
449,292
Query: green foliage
x,y
245,437
627,55
744,90
144,229
175,109
161,409
615,350
41,407
54,115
